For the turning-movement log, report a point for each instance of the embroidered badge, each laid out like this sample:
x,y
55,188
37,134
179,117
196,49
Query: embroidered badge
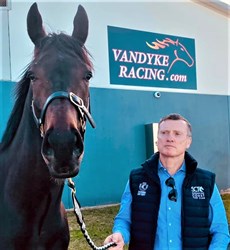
x,y
198,192
142,189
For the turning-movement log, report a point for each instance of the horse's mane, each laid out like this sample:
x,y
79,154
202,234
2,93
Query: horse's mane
x,y
21,91
65,44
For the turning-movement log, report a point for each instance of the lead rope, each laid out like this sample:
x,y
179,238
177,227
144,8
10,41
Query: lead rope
x,y
80,219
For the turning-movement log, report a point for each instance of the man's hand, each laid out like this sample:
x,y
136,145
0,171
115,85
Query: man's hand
x,y
118,239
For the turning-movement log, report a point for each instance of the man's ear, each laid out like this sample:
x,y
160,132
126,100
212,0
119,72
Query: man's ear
x,y
189,142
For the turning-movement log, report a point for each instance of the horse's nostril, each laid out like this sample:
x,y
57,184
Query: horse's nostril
x,y
78,145
47,149
49,152
77,152
62,145
75,139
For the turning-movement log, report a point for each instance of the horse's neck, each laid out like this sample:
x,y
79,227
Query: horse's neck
x,y
27,138
27,171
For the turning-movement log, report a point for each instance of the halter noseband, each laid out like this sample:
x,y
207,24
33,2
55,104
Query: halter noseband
x,y
74,99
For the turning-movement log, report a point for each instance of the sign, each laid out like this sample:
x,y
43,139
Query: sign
x,y
140,58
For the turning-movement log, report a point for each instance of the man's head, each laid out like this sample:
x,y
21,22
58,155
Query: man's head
x,y
174,135
176,117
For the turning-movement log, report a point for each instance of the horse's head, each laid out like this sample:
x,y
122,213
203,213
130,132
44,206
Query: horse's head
x,y
182,54
59,76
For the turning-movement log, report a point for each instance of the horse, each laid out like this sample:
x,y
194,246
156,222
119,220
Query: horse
x,y
43,143
179,51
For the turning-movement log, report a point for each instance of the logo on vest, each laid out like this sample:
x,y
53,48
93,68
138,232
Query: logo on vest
x,y
198,193
142,189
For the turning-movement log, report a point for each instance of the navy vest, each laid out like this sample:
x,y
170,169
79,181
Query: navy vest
x,y
197,190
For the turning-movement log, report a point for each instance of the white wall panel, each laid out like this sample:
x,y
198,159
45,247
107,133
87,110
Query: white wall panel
x,y
5,67
182,18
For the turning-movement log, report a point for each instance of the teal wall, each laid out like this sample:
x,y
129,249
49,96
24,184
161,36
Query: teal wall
x,y
118,143
6,102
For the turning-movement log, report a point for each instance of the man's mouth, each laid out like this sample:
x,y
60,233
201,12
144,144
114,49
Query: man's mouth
x,y
170,146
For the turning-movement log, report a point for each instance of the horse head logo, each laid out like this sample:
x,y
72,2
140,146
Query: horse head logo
x,y
180,52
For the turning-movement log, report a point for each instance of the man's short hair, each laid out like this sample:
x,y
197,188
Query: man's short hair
x,y
176,117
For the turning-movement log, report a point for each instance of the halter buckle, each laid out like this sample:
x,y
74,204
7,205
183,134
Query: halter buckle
x,y
77,101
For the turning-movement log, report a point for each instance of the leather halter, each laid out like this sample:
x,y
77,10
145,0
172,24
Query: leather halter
x,y
74,99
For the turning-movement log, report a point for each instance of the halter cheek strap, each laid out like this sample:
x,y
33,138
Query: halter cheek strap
x,y
74,99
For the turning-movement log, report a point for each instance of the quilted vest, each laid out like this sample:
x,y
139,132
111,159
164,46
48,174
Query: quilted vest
x,y
146,192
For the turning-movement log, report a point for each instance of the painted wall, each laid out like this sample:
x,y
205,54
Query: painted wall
x,y
118,144
121,121
210,31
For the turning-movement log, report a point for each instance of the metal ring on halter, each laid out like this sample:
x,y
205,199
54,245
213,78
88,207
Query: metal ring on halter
x,y
76,100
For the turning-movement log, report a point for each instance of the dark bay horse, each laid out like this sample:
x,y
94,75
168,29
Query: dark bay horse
x,y
44,140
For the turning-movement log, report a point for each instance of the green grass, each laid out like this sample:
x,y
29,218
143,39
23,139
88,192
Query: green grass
x,y
226,200
99,223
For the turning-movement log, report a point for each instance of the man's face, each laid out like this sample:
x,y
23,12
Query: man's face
x,y
173,138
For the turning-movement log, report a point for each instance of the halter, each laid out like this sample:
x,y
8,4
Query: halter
x,y
74,99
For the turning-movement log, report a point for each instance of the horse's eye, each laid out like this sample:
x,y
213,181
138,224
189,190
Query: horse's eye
x,y
32,76
88,76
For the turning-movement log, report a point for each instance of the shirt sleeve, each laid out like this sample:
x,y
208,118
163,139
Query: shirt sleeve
x,y
219,223
123,219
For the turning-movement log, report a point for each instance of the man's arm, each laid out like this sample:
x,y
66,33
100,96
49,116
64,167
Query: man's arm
x,y
121,228
219,223
123,219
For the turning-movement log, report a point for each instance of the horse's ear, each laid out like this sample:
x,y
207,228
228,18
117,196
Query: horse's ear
x,y
177,42
81,25
34,24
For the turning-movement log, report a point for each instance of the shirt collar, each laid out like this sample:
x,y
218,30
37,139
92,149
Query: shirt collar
x,y
182,168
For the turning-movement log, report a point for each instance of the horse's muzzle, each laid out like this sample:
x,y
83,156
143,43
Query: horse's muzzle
x,y
62,151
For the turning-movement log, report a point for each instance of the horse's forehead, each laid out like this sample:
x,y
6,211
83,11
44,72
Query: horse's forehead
x,y
56,63
56,57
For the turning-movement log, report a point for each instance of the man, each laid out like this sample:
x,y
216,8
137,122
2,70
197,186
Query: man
x,y
170,203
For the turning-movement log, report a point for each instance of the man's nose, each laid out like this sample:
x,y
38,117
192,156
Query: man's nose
x,y
170,137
